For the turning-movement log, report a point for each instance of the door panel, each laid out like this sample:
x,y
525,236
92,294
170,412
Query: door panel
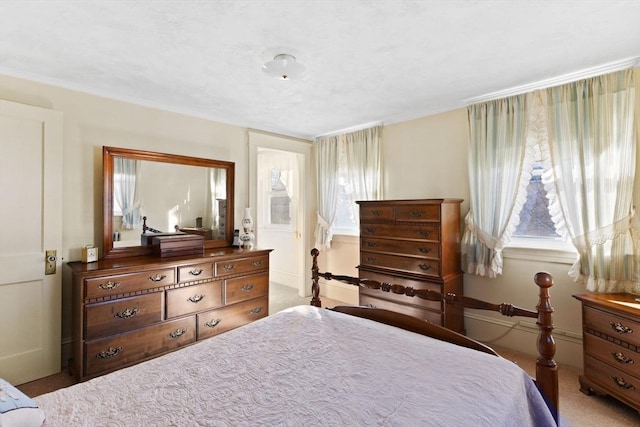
x,y
30,224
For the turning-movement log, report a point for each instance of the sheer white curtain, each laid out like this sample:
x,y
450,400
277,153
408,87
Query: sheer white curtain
x,y
124,191
500,161
592,163
359,153
215,196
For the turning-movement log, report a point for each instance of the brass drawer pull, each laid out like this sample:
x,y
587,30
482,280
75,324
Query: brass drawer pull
x,y
178,333
425,267
620,328
228,267
256,263
109,353
371,260
213,323
196,298
127,313
424,250
256,310
416,214
619,357
376,213
620,382
423,233
109,285
370,230
248,287
157,278
370,244
196,272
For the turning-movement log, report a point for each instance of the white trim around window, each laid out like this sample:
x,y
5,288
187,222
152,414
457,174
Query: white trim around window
x,y
546,250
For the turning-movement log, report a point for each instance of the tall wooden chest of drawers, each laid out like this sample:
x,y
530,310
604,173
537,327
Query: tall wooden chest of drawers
x,y
127,310
412,243
611,341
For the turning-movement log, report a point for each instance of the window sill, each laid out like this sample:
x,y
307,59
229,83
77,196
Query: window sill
x,y
544,250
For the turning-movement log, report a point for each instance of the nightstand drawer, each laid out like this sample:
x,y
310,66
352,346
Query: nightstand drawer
x,y
223,319
625,385
191,273
616,355
240,266
192,299
109,286
126,314
132,347
245,288
613,325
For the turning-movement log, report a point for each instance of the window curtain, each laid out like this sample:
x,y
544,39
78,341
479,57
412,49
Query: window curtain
x,y
500,160
215,198
125,191
362,158
591,154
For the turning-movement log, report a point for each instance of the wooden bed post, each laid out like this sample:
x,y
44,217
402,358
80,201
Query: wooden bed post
x,y
315,286
546,367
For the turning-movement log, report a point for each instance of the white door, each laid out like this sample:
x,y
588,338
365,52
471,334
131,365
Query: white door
x,y
285,229
30,225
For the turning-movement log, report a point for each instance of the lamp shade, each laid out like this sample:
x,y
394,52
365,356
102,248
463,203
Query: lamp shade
x,y
283,67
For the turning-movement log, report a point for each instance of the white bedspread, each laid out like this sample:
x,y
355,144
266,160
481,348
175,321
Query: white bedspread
x,y
308,367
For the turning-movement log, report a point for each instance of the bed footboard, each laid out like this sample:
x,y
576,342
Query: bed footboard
x,y
546,367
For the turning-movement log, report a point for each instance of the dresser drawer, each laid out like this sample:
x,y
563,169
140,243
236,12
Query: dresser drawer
x,y
108,286
125,349
613,354
614,380
192,299
113,317
414,311
190,273
377,213
422,232
401,299
407,247
418,213
245,288
616,326
223,319
422,266
239,266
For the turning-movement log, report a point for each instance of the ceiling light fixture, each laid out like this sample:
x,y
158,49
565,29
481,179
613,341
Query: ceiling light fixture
x,y
283,67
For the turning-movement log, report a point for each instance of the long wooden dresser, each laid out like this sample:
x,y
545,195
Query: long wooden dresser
x,y
611,340
412,243
127,310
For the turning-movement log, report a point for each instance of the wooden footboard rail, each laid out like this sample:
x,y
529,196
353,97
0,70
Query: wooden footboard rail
x,y
546,367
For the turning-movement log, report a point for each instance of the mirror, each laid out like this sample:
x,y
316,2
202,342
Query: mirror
x,y
164,193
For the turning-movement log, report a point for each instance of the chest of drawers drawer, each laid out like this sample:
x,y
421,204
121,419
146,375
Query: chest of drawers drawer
x,y
374,212
616,326
241,266
411,310
111,353
401,299
189,273
418,212
414,248
421,266
104,287
125,314
224,319
191,299
246,287
412,231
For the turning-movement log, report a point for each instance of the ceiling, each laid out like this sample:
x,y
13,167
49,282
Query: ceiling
x,y
366,61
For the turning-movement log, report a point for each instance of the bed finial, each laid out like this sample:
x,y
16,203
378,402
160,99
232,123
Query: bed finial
x,y
315,286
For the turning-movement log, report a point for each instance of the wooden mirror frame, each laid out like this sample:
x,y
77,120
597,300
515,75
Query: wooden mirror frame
x,y
108,154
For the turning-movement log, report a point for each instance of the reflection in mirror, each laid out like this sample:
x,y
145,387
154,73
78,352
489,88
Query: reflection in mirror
x,y
174,194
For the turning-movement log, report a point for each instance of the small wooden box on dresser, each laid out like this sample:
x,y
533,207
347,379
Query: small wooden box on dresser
x,y
412,243
127,310
611,341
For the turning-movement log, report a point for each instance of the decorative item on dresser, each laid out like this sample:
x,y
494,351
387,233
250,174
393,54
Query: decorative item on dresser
x,y
132,309
611,340
414,243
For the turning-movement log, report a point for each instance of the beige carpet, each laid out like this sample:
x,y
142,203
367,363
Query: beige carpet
x,y
576,408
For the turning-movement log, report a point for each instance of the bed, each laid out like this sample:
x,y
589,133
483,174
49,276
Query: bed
x,y
309,365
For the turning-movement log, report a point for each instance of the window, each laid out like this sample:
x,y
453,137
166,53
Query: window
x,y
535,220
